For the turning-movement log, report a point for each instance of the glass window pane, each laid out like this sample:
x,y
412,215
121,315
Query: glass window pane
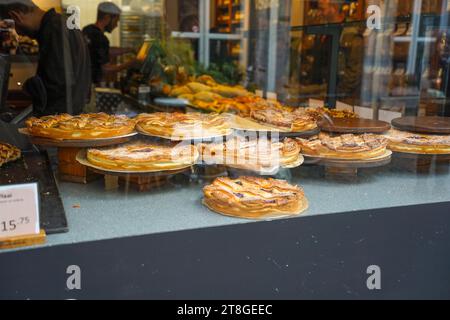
x,y
226,16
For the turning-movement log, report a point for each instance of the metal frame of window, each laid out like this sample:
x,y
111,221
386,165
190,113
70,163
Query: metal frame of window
x,y
205,36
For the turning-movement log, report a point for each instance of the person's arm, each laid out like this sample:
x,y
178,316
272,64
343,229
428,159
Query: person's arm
x,y
109,67
115,52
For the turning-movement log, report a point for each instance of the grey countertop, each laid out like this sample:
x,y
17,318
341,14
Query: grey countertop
x,y
96,214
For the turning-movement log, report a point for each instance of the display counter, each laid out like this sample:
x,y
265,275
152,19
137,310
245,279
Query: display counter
x,y
95,214
165,244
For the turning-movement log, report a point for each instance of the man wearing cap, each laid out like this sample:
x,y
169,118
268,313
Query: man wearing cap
x,y
62,81
108,15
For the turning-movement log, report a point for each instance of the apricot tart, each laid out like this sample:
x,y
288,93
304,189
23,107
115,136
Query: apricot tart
x,y
143,156
408,142
184,125
82,127
345,146
254,154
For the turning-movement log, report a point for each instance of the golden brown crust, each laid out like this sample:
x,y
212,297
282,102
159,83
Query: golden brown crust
x,y
143,155
8,153
408,142
256,154
184,125
292,121
254,198
345,146
83,127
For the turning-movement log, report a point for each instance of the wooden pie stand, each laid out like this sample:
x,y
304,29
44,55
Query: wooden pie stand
x,y
69,169
348,169
422,163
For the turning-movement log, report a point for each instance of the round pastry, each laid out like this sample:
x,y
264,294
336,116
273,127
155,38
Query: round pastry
x,y
252,154
8,153
143,156
183,126
346,146
82,127
408,142
254,198
296,121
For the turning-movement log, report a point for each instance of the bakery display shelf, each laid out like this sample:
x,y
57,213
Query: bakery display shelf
x,y
36,167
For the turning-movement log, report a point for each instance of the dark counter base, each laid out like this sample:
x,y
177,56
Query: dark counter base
x,y
307,258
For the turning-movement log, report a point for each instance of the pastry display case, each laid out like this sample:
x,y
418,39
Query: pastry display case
x,y
292,144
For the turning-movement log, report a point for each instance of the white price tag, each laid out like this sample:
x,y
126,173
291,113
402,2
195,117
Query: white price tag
x,y
364,113
272,96
19,210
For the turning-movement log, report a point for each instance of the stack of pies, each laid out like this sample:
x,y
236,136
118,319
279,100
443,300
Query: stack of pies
x,y
408,142
8,153
253,154
254,198
346,146
296,121
82,127
144,156
184,126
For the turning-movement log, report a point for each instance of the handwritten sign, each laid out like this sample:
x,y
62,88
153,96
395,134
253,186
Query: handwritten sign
x,y
19,210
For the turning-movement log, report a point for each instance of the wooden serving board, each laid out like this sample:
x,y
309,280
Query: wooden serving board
x,y
436,125
354,126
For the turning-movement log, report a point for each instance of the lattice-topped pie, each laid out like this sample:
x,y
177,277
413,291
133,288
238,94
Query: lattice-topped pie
x,y
81,127
345,146
254,198
8,153
144,156
408,142
296,121
252,154
181,126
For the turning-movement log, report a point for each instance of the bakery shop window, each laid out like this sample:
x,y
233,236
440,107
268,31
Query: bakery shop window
x,y
202,113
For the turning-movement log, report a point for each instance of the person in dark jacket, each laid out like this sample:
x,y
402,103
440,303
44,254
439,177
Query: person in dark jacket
x,y
64,64
108,16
